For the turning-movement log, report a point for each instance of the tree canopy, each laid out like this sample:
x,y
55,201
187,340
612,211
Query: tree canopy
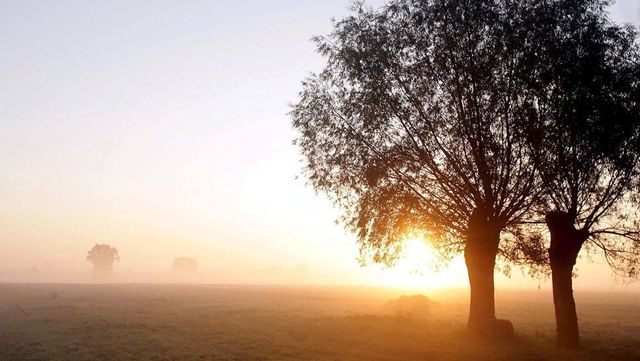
x,y
587,88
102,254
419,121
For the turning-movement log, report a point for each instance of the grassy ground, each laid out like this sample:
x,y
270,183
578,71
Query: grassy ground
x,y
155,322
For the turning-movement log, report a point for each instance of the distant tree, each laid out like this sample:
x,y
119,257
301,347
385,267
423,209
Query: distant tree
x,y
587,88
418,124
102,256
184,265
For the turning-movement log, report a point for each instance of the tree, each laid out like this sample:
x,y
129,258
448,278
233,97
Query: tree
x,y
184,266
587,87
102,256
418,124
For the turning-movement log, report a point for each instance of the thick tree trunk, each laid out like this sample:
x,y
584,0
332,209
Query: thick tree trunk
x,y
567,333
480,257
480,267
565,245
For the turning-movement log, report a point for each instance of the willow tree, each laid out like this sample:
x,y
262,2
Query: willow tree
x,y
587,87
418,124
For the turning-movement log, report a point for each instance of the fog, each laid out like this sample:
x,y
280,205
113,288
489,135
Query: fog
x,y
161,129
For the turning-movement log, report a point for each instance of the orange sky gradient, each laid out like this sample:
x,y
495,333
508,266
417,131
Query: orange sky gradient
x,y
161,128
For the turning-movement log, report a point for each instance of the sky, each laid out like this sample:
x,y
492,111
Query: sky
x,y
161,128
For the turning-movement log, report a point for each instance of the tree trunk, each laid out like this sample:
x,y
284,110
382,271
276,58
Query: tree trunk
x,y
566,242
567,333
480,253
482,310
102,271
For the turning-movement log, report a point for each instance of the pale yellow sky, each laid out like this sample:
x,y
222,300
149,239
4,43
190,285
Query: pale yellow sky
x,y
161,128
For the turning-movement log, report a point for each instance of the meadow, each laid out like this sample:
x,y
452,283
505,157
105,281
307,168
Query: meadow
x,y
206,322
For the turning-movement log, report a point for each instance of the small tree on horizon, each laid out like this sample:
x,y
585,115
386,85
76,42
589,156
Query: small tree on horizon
x,y
103,257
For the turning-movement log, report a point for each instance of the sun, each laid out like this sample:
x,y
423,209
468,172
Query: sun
x,y
416,269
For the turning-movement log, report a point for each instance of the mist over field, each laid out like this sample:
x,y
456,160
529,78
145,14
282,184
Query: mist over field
x,y
320,180
152,322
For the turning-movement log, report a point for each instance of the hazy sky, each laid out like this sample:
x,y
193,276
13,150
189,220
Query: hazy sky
x,y
160,127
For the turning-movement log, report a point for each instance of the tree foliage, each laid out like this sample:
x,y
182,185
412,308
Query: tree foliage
x,y
102,254
587,89
420,119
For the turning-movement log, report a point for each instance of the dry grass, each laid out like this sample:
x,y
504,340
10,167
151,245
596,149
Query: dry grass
x,y
155,322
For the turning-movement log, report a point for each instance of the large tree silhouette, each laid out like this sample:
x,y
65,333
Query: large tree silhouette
x,y
588,96
102,256
418,124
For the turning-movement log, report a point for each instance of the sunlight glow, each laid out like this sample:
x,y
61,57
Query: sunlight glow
x,y
416,269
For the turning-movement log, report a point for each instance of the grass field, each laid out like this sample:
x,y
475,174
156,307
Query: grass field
x,y
175,322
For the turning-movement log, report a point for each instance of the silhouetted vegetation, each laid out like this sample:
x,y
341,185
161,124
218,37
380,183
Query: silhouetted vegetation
x,y
415,306
417,125
462,121
587,91
102,256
